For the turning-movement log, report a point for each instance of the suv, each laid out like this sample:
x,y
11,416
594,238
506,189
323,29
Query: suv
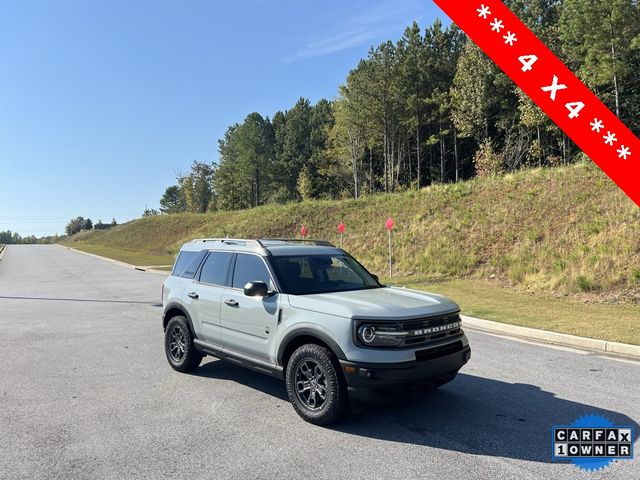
x,y
309,313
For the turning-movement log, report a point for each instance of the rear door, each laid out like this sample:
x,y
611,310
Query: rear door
x,y
206,293
249,323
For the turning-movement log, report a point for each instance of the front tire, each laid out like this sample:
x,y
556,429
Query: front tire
x,y
178,346
315,385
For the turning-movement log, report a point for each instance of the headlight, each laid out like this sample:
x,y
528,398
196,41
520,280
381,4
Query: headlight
x,y
373,335
367,333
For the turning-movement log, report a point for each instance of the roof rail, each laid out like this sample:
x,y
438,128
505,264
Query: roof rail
x,y
230,241
323,243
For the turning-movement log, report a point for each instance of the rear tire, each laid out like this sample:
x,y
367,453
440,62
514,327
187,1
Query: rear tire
x,y
315,385
178,346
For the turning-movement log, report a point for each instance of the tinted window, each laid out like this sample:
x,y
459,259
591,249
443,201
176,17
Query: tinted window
x,y
214,270
300,275
250,268
192,267
184,259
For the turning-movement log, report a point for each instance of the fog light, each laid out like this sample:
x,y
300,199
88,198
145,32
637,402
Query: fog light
x,y
363,372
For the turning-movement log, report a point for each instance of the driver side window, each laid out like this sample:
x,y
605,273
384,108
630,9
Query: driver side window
x,y
250,268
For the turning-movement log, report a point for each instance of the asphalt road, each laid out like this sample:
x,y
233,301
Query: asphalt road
x,y
86,392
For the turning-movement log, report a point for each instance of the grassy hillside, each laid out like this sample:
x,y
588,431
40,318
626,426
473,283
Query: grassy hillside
x,y
559,231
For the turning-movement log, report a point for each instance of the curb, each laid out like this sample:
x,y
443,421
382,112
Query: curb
x,y
116,262
489,326
603,346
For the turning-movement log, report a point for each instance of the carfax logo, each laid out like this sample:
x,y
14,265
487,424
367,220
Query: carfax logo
x,y
592,442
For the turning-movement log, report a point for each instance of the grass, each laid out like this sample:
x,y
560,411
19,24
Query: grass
x,y
128,256
483,299
556,249
556,231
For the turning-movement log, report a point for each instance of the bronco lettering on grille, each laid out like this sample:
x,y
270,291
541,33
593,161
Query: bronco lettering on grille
x,y
439,328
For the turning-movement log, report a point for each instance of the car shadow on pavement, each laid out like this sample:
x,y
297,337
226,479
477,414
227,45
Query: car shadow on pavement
x,y
478,416
474,415
224,370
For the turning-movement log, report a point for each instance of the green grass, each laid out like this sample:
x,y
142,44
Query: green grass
x,y
561,231
484,299
556,249
128,256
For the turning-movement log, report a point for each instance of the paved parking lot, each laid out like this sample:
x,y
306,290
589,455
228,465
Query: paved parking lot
x,y
86,392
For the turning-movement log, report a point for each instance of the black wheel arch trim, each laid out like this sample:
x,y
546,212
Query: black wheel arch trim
x,y
175,305
309,332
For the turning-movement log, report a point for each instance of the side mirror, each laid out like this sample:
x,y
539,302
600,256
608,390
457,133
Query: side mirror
x,y
375,277
256,289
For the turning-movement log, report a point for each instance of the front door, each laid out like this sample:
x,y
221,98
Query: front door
x,y
249,323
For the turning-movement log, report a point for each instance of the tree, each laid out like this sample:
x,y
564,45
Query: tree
x,y
346,141
150,212
244,175
357,126
323,170
88,224
172,200
13,238
444,47
75,225
471,98
430,107
413,70
295,149
487,162
197,187
601,41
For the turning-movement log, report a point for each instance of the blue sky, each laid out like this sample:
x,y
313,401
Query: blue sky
x,y
101,101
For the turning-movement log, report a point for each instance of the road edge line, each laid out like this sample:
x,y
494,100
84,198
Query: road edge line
x,y
116,262
545,336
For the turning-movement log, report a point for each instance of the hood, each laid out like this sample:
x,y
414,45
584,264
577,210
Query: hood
x,y
382,303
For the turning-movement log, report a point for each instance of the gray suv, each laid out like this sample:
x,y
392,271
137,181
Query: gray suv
x,y
309,313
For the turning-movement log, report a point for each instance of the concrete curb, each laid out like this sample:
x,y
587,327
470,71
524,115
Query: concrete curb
x,y
603,346
117,262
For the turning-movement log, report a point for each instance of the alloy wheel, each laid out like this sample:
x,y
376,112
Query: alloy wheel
x,y
311,384
177,344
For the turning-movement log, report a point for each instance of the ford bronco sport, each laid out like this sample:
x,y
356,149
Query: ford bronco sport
x,y
309,313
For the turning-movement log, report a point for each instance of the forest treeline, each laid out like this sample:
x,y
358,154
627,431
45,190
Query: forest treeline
x,y
428,108
7,237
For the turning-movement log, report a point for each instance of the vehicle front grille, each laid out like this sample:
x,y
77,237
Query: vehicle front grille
x,y
430,322
437,352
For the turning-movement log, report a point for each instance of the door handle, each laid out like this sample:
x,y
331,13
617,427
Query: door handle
x,y
231,302
193,295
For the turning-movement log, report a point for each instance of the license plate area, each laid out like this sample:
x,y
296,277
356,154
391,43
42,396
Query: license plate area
x,y
438,352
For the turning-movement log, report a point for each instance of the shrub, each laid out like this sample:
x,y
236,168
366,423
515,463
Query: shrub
x,y
584,284
488,163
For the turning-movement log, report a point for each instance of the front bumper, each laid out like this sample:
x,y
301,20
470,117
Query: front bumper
x,y
380,382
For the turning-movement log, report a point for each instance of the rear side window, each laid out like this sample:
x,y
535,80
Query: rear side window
x,y
187,264
184,258
250,268
214,270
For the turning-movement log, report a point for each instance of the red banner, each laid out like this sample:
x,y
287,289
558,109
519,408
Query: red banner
x,y
552,86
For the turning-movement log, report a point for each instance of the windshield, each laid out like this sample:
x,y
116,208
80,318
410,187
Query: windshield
x,y
307,274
